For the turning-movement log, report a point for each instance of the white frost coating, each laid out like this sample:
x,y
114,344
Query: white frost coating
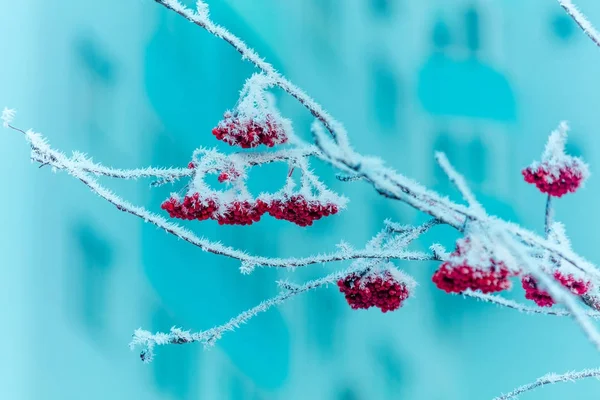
x,y
459,181
202,9
581,20
554,158
387,181
8,115
516,244
551,378
558,235
516,255
256,107
506,303
439,252
41,152
336,129
401,276
149,341
82,162
555,146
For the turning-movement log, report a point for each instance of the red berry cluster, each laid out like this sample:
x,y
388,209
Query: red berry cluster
x,y
375,290
300,211
295,209
542,298
242,213
192,207
456,275
567,179
248,133
578,287
534,293
235,213
458,278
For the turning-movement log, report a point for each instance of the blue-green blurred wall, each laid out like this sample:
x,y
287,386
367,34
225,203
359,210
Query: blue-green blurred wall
x,y
132,84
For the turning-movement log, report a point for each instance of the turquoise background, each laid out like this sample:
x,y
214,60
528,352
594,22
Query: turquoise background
x,y
132,85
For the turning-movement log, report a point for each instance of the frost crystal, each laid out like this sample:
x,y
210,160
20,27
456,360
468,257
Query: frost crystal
x,y
8,114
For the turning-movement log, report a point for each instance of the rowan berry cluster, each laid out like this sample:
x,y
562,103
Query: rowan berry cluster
x,y
190,207
249,133
542,298
556,180
380,290
558,173
295,209
299,210
458,273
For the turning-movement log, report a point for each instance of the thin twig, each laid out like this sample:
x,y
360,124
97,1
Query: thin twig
x,y
149,341
42,153
501,301
459,181
548,216
581,20
333,126
517,256
551,379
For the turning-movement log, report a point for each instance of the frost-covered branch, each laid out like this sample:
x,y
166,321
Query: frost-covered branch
x,y
515,254
490,253
548,215
202,19
384,241
550,379
45,155
502,302
459,181
148,341
581,20
339,154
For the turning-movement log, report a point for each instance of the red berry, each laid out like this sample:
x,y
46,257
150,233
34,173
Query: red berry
x,y
542,298
556,181
248,133
228,175
578,287
191,207
223,177
456,275
300,211
458,278
380,290
241,213
533,292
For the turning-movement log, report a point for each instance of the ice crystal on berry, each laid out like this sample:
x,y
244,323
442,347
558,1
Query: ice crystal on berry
x,y
578,287
191,207
299,210
228,175
248,133
470,266
242,213
532,292
558,173
542,298
380,289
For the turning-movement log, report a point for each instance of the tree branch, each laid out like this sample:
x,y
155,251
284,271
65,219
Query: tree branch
x,y
502,302
149,341
459,181
581,20
551,379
